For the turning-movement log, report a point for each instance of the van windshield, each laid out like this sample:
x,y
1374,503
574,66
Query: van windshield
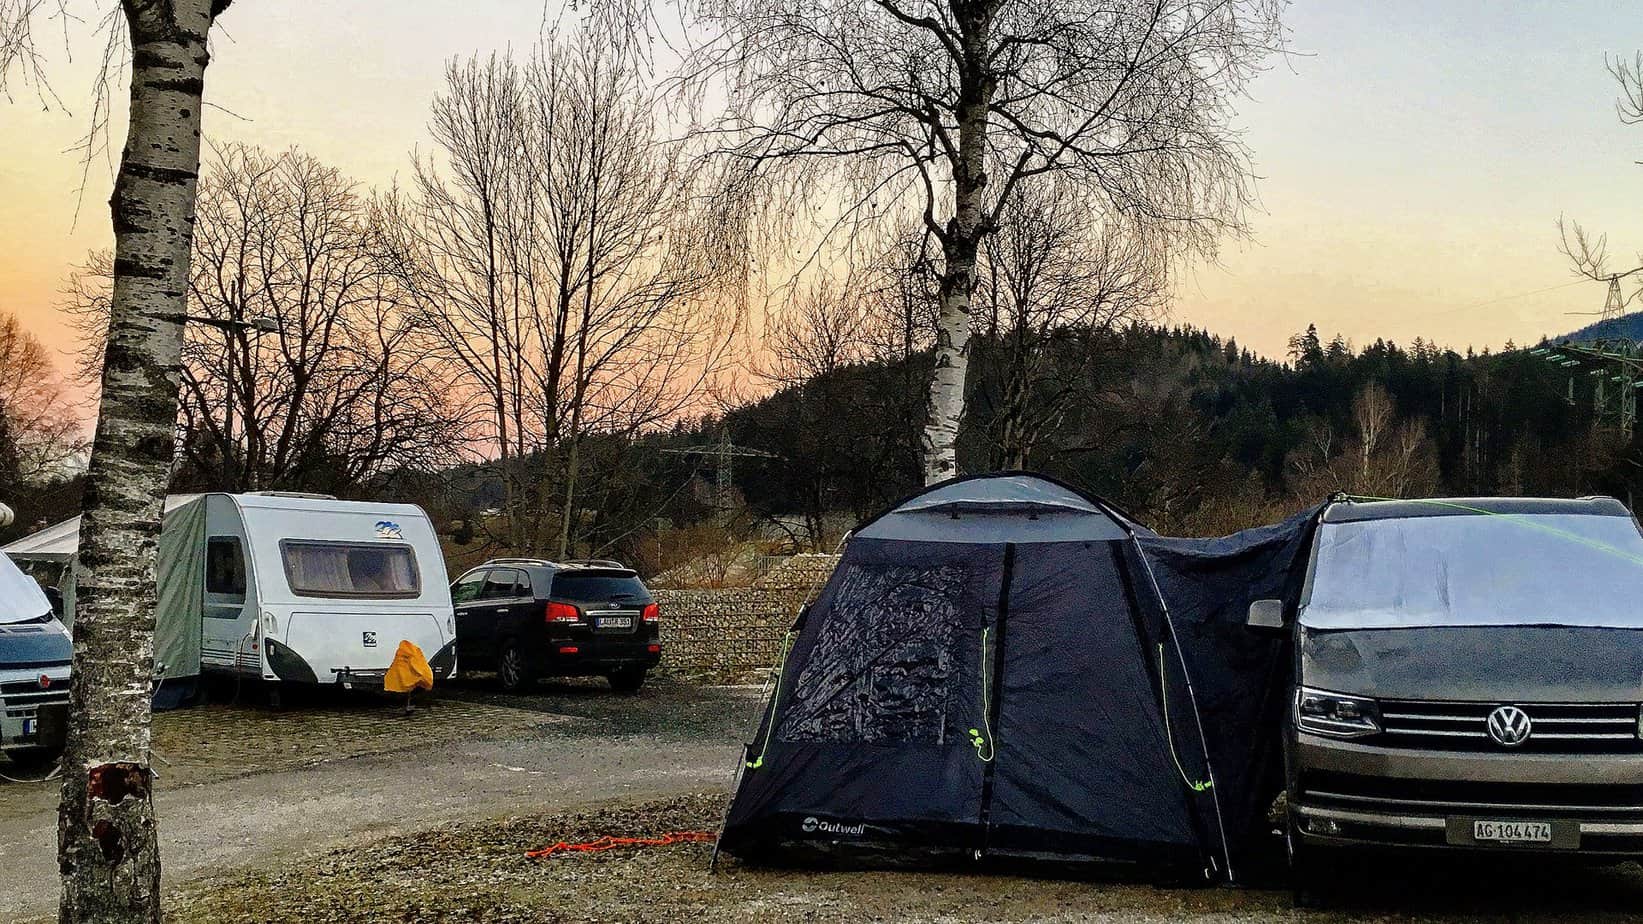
x,y
1477,570
356,570
21,599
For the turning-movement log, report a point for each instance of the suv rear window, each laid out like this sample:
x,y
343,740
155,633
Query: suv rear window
x,y
350,569
607,586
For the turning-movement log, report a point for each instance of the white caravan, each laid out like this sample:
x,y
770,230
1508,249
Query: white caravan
x,y
295,587
316,590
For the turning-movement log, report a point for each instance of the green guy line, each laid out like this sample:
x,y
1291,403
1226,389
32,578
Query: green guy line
x,y
1169,736
977,739
775,701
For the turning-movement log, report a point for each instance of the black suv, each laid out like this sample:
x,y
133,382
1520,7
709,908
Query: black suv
x,y
528,618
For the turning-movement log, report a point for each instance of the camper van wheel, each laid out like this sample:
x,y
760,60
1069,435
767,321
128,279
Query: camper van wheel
x,y
627,680
32,761
1309,871
513,671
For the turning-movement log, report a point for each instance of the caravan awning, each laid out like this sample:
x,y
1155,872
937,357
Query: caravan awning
x,y
59,541
56,542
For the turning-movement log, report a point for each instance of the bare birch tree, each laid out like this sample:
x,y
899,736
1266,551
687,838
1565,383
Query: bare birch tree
x,y
900,289
40,422
821,330
1052,283
941,108
337,390
1384,456
1588,253
107,850
563,263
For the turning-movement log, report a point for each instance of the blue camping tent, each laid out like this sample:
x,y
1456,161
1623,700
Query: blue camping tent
x,y
1003,665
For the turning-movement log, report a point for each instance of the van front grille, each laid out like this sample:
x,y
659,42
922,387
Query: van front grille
x,y
23,700
1557,728
1467,797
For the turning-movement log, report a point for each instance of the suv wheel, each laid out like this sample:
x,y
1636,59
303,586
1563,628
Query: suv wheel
x,y
627,680
512,670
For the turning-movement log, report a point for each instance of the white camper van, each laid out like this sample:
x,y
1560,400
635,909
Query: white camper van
x,y
35,656
297,588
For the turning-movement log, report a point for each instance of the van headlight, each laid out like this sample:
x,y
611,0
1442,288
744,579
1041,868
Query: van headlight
x,y
1335,715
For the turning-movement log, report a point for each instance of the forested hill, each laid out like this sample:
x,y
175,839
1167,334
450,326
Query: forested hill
x,y
1626,327
1190,432
1194,434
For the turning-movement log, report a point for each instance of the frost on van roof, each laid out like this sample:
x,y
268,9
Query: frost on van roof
x,y
1360,509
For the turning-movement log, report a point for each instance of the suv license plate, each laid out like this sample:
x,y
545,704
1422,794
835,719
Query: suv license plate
x,y
1513,832
615,622
30,726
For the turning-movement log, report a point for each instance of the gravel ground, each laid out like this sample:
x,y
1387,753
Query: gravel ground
x,y
374,833
242,788
479,872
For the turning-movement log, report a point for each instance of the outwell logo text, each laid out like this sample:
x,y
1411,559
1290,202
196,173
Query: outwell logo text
x,y
813,824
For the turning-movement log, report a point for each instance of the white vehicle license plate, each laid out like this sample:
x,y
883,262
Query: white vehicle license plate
x,y
1513,832
30,726
616,622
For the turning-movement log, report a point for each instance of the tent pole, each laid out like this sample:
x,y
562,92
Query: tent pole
x,y
724,818
1192,697
791,637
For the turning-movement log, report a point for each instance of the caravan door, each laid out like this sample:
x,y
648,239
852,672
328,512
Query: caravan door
x,y
227,639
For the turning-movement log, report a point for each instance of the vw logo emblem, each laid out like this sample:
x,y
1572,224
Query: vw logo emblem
x,y
1509,726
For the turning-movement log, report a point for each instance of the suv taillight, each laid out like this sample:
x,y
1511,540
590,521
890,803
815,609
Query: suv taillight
x,y
653,613
563,612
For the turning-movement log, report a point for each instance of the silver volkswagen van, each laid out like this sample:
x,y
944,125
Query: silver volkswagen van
x,y
1469,674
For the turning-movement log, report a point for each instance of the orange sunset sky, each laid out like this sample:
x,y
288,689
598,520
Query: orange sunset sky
x,y
1414,156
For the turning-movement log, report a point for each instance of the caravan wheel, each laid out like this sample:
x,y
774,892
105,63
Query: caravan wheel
x,y
513,671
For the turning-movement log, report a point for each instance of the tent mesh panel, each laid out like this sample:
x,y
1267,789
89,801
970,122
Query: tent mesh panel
x,y
885,660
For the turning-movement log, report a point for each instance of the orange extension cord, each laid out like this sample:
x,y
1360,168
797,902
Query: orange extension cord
x,y
609,842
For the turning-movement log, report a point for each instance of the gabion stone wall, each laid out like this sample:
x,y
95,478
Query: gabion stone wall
x,y
800,572
734,635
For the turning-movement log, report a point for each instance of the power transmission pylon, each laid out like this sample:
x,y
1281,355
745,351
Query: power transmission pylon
x,y
1615,301
1614,304
723,455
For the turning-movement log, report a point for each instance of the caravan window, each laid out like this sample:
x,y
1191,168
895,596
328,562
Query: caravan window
x,y
350,569
225,568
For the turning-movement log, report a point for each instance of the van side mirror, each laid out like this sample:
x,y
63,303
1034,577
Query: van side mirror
x,y
1266,614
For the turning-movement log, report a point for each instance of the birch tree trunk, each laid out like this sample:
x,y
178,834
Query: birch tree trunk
x,y
952,363
961,243
107,849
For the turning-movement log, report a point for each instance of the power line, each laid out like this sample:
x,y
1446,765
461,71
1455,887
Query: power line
x,y
723,453
1507,298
